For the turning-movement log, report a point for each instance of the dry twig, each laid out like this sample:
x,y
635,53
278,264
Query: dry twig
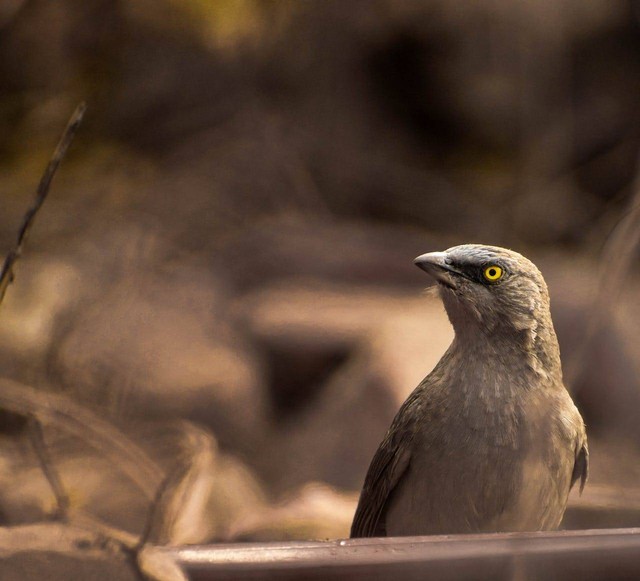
x,y
180,501
6,275
36,435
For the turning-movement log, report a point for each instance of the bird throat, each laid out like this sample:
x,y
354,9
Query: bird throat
x,y
526,344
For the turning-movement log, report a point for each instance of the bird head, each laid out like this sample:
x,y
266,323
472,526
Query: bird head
x,y
488,287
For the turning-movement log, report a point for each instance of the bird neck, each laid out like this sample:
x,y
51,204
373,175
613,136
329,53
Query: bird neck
x,y
529,353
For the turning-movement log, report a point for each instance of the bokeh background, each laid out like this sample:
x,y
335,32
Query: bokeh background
x,y
223,269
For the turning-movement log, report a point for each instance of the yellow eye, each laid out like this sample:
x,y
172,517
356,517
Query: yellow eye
x,y
492,273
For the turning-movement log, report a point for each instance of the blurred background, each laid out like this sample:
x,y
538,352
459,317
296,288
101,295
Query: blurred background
x,y
223,269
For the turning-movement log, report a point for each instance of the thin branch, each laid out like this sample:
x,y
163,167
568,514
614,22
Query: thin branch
x,y
78,518
159,505
184,490
36,435
6,275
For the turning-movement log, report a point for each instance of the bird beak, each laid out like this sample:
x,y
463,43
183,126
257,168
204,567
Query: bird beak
x,y
435,265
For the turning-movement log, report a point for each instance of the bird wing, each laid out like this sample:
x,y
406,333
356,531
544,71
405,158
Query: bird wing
x,y
387,467
581,466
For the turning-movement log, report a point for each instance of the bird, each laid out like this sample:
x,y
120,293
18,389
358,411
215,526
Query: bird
x,y
490,440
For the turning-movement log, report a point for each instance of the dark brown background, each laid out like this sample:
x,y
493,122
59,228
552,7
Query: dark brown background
x,y
230,239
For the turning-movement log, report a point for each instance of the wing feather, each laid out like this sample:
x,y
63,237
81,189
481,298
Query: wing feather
x,y
581,467
387,467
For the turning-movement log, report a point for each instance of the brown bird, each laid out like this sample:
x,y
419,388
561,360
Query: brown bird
x,y
490,440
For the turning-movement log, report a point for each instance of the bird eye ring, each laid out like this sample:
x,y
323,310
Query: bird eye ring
x,y
492,273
